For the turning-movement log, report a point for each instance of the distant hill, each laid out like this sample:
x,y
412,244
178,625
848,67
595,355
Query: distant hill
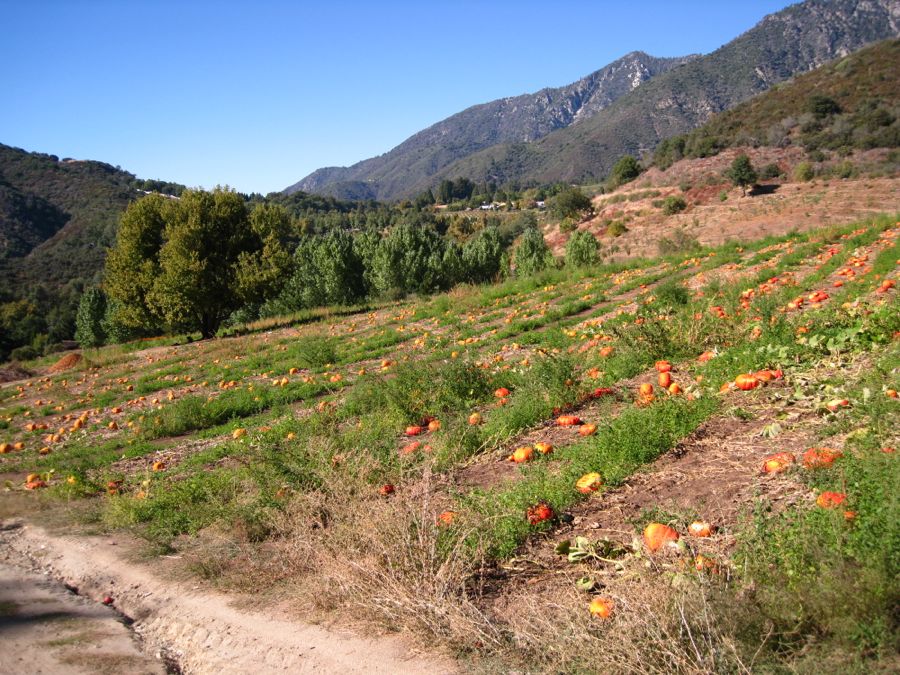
x,y
792,41
850,103
524,118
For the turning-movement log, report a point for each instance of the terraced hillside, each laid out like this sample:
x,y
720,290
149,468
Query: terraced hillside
x,y
479,469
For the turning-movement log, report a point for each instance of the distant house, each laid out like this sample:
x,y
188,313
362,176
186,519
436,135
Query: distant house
x,y
540,204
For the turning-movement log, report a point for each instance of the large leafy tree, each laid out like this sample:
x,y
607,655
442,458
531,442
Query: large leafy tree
x,y
187,264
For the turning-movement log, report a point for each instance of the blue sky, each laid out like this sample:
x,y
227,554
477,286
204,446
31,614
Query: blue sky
x,y
257,95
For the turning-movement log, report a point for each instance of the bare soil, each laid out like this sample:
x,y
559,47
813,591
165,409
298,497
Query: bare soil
x,y
200,630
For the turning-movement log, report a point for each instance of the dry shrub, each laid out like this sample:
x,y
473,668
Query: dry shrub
x,y
387,560
655,629
70,360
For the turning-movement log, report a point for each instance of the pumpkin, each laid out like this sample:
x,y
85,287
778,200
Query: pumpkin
x,y
587,429
35,484
568,420
778,462
606,351
837,403
502,392
588,483
746,382
816,458
44,451
539,513
645,390
706,356
704,564
663,366
386,489
657,535
446,518
238,433
830,500
522,454
5,448
543,447
410,448
414,430
700,528
674,389
665,379
475,418
159,466
601,608
434,425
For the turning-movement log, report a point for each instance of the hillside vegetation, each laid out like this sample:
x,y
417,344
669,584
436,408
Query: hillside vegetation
x,y
480,468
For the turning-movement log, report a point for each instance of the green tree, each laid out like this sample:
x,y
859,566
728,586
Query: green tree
x,y
741,172
582,250
261,272
89,330
532,253
570,203
625,170
481,255
409,260
132,265
187,264
445,192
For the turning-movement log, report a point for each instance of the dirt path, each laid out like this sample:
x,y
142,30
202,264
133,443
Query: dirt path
x,y
45,628
201,631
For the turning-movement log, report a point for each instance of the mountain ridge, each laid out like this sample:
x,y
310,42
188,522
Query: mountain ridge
x,y
523,118
794,40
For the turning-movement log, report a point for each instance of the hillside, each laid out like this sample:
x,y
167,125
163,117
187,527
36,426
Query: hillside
x,y
514,119
852,102
682,464
795,40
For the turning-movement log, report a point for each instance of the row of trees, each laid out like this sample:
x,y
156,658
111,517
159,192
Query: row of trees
x,y
192,263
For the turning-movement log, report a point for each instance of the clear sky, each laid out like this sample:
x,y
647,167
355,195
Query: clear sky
x,y
256,95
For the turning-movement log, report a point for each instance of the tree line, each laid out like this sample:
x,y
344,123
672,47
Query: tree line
x,y
210,258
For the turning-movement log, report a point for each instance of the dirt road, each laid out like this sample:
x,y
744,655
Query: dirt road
x,y
47,629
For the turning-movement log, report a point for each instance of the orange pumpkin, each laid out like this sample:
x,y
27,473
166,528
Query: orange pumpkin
x,y
700,528
522,454
830,500
778,462
746,382
606,351
446,518
665,379
434,425
568,420
657,535
646,390
601,608
414,430
587,429
588,483
543,448
475,419
816,458
663,366
539,513
502,392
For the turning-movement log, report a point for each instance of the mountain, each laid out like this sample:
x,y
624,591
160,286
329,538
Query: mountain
x,y
850,103
792,41
524,118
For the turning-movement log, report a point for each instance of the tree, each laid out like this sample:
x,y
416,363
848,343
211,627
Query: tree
x,y
187,264
570,203
261,272
741,173
481,255
132,265
532,253
445,192
626,169
89,330
409,260
582,250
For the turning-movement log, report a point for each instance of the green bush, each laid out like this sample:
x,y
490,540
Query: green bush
x,y
804,172
673,204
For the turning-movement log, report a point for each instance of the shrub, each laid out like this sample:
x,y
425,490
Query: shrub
x,y
582,250
532,254
769,171
804,172
89,330
672,205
